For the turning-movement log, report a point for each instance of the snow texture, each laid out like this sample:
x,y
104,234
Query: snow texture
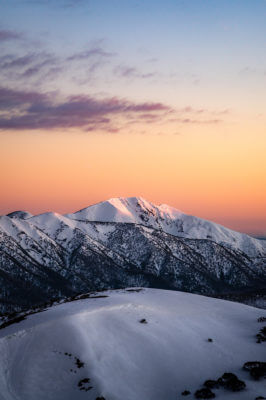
x,y
126,359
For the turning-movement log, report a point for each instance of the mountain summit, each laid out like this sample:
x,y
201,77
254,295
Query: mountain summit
x,y
168,219
122,242
127,209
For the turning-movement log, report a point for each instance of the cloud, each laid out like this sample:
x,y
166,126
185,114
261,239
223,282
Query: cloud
x,y
40,66
32,110
191,121
29,110
132,72
32,65
9,35
47,66
12,61
194,111
10,99
89,53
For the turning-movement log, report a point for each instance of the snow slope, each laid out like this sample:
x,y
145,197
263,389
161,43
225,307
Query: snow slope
x,y
126,359
170,220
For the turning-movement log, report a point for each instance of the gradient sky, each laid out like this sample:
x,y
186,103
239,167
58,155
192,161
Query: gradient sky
x,y
160,99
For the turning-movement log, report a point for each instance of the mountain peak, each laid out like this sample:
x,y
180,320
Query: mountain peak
x,y
167,219
137,210
129,207
120,209
130,202
19,214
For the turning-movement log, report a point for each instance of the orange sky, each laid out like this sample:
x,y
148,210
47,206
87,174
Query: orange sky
x,y
215,172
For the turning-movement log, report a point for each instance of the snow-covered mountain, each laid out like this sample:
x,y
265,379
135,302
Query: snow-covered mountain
x,y
168,219
118,243
132,344
20,214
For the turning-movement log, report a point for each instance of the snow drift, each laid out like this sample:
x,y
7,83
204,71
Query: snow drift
x,y
97,347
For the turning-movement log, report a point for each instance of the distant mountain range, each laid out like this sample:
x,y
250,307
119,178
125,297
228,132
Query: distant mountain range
x,y
118,243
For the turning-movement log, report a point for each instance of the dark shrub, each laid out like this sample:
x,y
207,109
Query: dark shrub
x,y
211,384
258,372
84,384
231,382
257,369
261,336
143,321
79,363
204,393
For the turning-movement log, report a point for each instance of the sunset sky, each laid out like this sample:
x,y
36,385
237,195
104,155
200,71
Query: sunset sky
x,y
160,99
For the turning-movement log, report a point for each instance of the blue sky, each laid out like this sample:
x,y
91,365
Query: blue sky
x,y
180,43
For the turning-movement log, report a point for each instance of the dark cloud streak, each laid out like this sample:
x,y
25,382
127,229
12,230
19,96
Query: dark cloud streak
x,y
9,99
38,111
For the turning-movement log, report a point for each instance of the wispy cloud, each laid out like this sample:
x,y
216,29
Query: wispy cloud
x,y
10,99
90,53
192,116
33,110
39,65
10,61
129,72
18,67
192,121
6,35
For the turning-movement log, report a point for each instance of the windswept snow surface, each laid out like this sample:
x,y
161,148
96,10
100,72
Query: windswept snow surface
x,y
125,359
170,220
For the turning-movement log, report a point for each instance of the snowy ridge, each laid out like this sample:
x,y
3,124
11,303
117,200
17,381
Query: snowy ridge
x,y
137,210
119,243
20,214
120,358
170,220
